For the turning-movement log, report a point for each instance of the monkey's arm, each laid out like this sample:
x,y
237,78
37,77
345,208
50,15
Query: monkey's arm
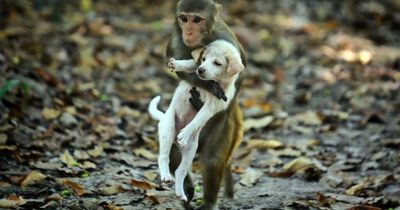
x,y
209,85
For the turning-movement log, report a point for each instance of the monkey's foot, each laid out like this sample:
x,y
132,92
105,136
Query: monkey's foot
x,y
171,64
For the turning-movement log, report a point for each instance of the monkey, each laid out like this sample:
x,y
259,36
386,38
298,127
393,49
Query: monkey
x,y
197,24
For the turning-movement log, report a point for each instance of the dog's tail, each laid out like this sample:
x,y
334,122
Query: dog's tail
x,y
154,112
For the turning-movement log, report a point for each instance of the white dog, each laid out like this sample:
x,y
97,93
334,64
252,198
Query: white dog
x,y
221,62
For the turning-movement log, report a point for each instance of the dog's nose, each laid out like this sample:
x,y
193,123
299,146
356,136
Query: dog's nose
x,y
201,70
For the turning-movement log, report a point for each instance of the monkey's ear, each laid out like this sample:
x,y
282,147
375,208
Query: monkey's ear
x,y
235,65
196,54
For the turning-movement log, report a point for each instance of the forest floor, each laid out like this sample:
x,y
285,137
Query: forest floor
x,y
320,99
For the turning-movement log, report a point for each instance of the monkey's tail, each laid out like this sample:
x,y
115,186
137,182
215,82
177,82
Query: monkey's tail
x,y
154,112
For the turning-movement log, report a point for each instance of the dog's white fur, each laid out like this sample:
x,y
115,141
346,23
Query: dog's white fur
x,y
222,63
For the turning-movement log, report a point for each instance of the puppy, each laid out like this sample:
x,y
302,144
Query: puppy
x,y
219,61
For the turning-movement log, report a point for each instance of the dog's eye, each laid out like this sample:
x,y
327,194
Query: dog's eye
x,y
217,63
204,59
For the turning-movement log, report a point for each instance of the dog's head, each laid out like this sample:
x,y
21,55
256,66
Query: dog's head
x,y
219,61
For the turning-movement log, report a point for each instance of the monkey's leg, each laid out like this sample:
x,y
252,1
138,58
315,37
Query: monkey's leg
x,y
175,159
166,131
228,181
188,154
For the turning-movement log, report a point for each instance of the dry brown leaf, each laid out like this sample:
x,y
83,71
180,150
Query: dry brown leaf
x,y
250,177
88,165
142,184
32,177
264,144
12,201
150,175
258,123
298,165
67,158
77,188
356,189
111,190
154,197
49,113
96,151
113,207
363,207
145,153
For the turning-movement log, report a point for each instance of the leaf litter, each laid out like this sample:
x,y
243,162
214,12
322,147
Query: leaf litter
x,y
320,100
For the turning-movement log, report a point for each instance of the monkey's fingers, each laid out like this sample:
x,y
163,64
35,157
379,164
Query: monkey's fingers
x,y
218,91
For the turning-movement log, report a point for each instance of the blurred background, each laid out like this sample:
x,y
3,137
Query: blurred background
x,y
320,99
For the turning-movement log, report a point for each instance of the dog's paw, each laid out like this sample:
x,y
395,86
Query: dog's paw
x,y
181,196
182,143
167,178
184,136
172,64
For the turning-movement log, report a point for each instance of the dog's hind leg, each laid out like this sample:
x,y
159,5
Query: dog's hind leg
x,y
166,131
188,154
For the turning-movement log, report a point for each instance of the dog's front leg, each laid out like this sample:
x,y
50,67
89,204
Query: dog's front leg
x,y
182,65
166,131
192,130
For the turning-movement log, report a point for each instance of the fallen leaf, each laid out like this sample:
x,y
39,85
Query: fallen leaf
x,y
111,190
142,152
113,207
142,184
12,201
88,165
250,177
264,144
49,113
153,197
32,177
363,207
298,165
96,151
68,159
258,123
77,188
150,175
356,189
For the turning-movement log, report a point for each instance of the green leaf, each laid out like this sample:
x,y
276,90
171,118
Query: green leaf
x,y
10,84
65,193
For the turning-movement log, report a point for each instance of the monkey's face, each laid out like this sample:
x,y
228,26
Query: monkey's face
x,y
193,28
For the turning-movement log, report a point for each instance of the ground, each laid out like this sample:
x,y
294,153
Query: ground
x,y
320,99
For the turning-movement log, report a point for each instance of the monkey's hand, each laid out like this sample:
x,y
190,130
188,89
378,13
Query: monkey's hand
x,y
195,100
171,64
217,90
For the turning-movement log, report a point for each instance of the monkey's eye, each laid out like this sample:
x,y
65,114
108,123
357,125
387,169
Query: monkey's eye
x,y
197,19
217,63
183,18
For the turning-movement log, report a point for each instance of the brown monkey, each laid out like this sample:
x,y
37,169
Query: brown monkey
x,y
197,24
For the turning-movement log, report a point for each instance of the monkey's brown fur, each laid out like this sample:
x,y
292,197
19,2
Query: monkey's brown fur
x,y
224,131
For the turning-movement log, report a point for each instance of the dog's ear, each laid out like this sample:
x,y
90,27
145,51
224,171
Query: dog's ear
x,y
235,65
197,53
